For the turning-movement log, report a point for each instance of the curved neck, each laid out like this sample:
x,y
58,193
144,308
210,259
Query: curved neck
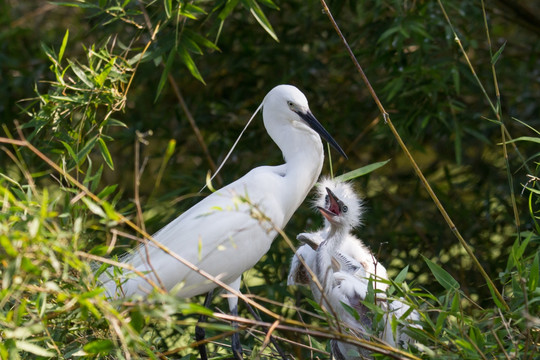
x,y
304,156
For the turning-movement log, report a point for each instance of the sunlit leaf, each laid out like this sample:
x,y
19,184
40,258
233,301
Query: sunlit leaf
x,y
442,276
361,171
63,47
190,64
257,12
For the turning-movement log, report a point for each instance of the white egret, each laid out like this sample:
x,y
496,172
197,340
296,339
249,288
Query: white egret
x,y
344,266
228,232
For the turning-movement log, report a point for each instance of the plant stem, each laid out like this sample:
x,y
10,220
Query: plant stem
x,y
417,170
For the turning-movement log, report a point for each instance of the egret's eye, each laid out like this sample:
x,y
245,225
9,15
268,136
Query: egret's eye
x,y
291,104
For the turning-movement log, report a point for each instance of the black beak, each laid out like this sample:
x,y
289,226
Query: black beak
x,y
316,125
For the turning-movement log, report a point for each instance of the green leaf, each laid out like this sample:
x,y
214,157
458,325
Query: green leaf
x,y
352,311
524,138
229,7
81,74
199,39
495,57
34,349
86,149
361,171
188,61
168,7
70,151
98,346
534,274
257,12
100,79
402,275
107,191
442,276
495,297
105,153
63,47
93,207
164,75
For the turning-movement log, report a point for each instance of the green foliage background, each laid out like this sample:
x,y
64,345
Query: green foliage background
x,y
107,89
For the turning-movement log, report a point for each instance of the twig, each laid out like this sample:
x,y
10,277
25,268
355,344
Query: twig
x,y
415,166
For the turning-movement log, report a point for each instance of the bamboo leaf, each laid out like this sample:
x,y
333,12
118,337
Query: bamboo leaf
x,y
105,153
534,274
361,171
496,56
188,61
164,75
98,346
34,349
442,276
168,7
100,79
257,12
402,275
63,47
80,74
93,207
523,138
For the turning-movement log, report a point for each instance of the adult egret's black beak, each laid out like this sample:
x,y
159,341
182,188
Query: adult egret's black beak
x,y
316,125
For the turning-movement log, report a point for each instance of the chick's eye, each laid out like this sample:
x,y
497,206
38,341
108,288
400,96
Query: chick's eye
x,y
327,199
345,208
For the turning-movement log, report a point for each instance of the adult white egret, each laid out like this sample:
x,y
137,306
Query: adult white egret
x,y
344,266
228,232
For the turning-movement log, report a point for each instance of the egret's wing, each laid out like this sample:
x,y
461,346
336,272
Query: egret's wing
x,y
298,274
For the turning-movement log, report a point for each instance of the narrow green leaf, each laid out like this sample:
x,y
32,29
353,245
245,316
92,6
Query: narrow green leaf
x,y
524,138
227,10
362,171
270,4
70,151
93,207
164,75
168,7
188,61
257,12
34,349
109,210
80,74
100,79
402,275
535,273
63,47
199,39
495,57
495,297
107,191
105,153
442,276
98,346
86,149
352,311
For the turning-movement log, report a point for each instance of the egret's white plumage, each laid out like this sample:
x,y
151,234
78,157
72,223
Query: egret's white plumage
x,y
220,234
345,243
344,266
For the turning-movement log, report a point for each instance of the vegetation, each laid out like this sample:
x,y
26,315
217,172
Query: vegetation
x,y
113,112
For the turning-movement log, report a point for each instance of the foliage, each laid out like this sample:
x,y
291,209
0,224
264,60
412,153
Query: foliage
x,y
113,111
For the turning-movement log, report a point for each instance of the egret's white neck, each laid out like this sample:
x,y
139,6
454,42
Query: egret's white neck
x,y
304,156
